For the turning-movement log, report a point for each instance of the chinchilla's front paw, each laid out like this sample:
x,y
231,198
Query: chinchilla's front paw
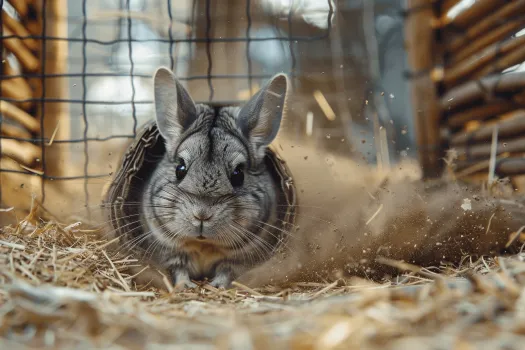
x,y
221,281
181,280
185,284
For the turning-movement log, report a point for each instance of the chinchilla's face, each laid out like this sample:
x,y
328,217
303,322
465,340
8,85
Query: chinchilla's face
x,y
213,184
208,188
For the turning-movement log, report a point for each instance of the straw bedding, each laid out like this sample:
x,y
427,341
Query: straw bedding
x,y
61,288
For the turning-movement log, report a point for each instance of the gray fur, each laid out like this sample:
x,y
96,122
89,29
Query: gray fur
x,y
239,227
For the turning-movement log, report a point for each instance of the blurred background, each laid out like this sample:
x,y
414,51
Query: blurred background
x,y
376,81
320,44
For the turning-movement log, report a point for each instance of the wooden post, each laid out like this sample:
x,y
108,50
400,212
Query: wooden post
x,y
57,118
422,53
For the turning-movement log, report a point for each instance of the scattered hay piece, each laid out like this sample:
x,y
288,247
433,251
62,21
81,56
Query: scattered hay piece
x,y
62,290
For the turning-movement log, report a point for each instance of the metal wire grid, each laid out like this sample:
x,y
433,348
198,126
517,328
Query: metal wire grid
x,y
249,76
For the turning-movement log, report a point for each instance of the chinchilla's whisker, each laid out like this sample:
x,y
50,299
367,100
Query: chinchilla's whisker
x,y
307,216
267,247
104,224
136,241
242,247
275,227
128,231
299,206
279,238
237,239
103,212
229,241
246,253
256,239
157,242
173,236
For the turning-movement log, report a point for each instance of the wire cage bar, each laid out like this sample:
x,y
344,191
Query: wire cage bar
x,y
82,72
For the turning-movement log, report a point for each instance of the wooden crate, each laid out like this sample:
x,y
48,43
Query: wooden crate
x,y
29,123
464,93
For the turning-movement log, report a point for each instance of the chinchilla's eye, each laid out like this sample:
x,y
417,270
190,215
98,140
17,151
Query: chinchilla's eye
x,y
181,170
237,177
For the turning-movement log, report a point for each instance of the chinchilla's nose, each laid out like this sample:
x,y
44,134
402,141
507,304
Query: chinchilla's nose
x,y
202,215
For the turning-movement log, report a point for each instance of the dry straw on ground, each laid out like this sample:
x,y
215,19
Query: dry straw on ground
x,y
62,289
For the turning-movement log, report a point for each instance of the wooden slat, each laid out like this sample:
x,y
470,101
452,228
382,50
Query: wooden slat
x,y
10,111
471,14
508,12
34,25
11,89
511,166
474,91
513,126
491,59
22,53
504,62
21,6
480,151
14,131
506,166
484,111
17,28
23,152
494,36
448,4
17,189
23,89
419,35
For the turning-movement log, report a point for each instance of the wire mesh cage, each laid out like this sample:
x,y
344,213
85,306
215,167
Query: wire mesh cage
x,y
76,82
467,76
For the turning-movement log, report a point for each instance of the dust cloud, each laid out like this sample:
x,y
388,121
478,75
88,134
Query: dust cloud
x,y
351,214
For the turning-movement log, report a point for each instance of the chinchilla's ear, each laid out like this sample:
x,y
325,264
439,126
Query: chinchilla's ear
x,y
174,108
260,119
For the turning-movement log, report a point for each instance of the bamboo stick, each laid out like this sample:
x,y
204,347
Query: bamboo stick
x,y
471,14
22,53
506,12
11,89
505,166
9,110
16,88
23,152
13,131
34,25
21,84
18,188
511,166
498,34
473,91
21,6
516,145
513,126
512,58
421,49
448,4
17,28
482,112
481,62
466,168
